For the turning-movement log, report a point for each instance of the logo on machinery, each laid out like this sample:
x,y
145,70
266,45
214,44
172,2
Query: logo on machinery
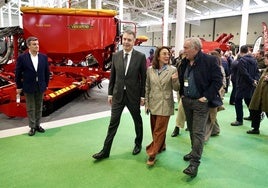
x,y
80,26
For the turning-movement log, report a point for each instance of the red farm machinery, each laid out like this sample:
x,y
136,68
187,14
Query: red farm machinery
x,y
222,42
78,42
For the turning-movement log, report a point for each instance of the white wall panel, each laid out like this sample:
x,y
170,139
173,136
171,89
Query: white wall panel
x,y
222,25
204,30
229,25
255,27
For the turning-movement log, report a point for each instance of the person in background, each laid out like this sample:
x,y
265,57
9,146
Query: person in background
x,y
230,58
32,78
162,79
219,61
126,88
233,79
180,118
260,60
212,127
261,66
150,58
246,81
173,59
200,80
225,64
259,101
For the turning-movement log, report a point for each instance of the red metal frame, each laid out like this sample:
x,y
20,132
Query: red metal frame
x,y
221,42
63,34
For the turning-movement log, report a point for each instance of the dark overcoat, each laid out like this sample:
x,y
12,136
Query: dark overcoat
x,y
259,99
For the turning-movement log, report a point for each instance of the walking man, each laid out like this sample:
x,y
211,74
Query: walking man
x,y
200,80
126,88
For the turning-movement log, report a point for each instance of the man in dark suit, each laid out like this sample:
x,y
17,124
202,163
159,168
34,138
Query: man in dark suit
x,y
200,80
32,77
126,88
246,80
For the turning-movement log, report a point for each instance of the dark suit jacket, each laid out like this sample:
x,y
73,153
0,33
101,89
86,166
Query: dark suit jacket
x,y
26,74
134,80
247,72
207,76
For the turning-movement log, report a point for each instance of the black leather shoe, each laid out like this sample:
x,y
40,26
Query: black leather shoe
x,y
253,131
136,150
100,155
31,132
236,123
187,157
191,171
40,129
176,132
247,118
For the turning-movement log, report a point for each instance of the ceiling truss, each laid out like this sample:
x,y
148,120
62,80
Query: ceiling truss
x,y
148,11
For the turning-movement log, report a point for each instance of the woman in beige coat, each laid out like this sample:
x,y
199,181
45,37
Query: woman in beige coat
x,y
162,79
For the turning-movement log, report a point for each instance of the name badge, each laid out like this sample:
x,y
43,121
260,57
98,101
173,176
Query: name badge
x,y
186,83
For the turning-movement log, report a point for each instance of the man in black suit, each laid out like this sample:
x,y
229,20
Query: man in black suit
x,y
246,80
32,77
126,88
200,81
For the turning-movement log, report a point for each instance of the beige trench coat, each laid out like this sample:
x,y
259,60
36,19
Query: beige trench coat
x,y
159,91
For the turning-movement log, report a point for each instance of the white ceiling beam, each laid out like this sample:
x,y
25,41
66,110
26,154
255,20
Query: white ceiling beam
x,y
259,2
221,4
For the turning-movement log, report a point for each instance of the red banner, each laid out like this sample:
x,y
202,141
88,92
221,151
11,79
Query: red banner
x,y
265,37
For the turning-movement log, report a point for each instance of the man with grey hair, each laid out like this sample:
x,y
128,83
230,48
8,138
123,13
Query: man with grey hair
x,y
200,80
32,78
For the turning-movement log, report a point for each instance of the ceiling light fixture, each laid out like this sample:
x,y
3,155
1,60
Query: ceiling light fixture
x,y
193,9
152,16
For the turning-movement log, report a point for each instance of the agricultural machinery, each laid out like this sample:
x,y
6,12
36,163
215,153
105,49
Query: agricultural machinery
x,y
79,44
221,42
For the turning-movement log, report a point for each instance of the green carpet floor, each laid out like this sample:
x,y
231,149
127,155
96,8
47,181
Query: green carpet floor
x,y
62,158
